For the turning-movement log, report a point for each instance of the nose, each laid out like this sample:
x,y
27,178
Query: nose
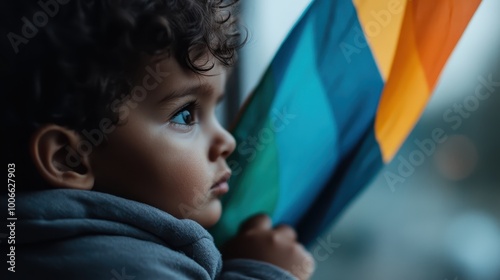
x,y
223,143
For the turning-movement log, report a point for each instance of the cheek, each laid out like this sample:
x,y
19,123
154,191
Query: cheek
x,y
155,168
177,162
180,178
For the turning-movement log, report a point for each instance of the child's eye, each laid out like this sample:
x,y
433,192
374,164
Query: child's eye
x,y
183,117
186,115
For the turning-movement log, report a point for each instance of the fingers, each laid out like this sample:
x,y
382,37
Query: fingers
x,y
263,222
257,239
259,221
286,231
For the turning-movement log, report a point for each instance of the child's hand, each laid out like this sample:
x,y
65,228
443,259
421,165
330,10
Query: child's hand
x,y
257,240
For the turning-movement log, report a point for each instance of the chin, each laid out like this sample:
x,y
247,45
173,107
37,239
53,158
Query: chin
x,y
210,215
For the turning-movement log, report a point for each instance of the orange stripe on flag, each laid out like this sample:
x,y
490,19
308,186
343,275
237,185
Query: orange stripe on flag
x,y
438,27
429,33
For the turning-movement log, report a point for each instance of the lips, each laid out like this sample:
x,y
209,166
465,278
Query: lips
x,y
221,186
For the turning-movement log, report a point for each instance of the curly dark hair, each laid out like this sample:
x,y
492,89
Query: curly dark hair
x,y
65,61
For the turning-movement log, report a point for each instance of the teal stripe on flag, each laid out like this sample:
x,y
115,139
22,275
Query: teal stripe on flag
x,y
334,97
308,136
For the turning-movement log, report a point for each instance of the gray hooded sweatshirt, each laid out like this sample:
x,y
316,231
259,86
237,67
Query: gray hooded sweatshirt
x,y
74,234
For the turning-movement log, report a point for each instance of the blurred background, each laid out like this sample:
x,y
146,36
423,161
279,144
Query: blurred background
x,y
441,220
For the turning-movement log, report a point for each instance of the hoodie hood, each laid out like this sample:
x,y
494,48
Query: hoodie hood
x,y
52,216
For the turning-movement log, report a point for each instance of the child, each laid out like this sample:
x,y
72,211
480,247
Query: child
x,y
117,158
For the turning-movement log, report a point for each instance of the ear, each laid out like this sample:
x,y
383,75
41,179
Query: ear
x,y
57,154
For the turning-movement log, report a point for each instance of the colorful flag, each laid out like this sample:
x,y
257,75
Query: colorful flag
x,y
342,94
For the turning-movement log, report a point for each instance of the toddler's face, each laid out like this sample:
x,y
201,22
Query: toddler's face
x,y
169,150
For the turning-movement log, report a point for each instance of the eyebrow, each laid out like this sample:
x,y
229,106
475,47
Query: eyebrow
x,y
192,90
